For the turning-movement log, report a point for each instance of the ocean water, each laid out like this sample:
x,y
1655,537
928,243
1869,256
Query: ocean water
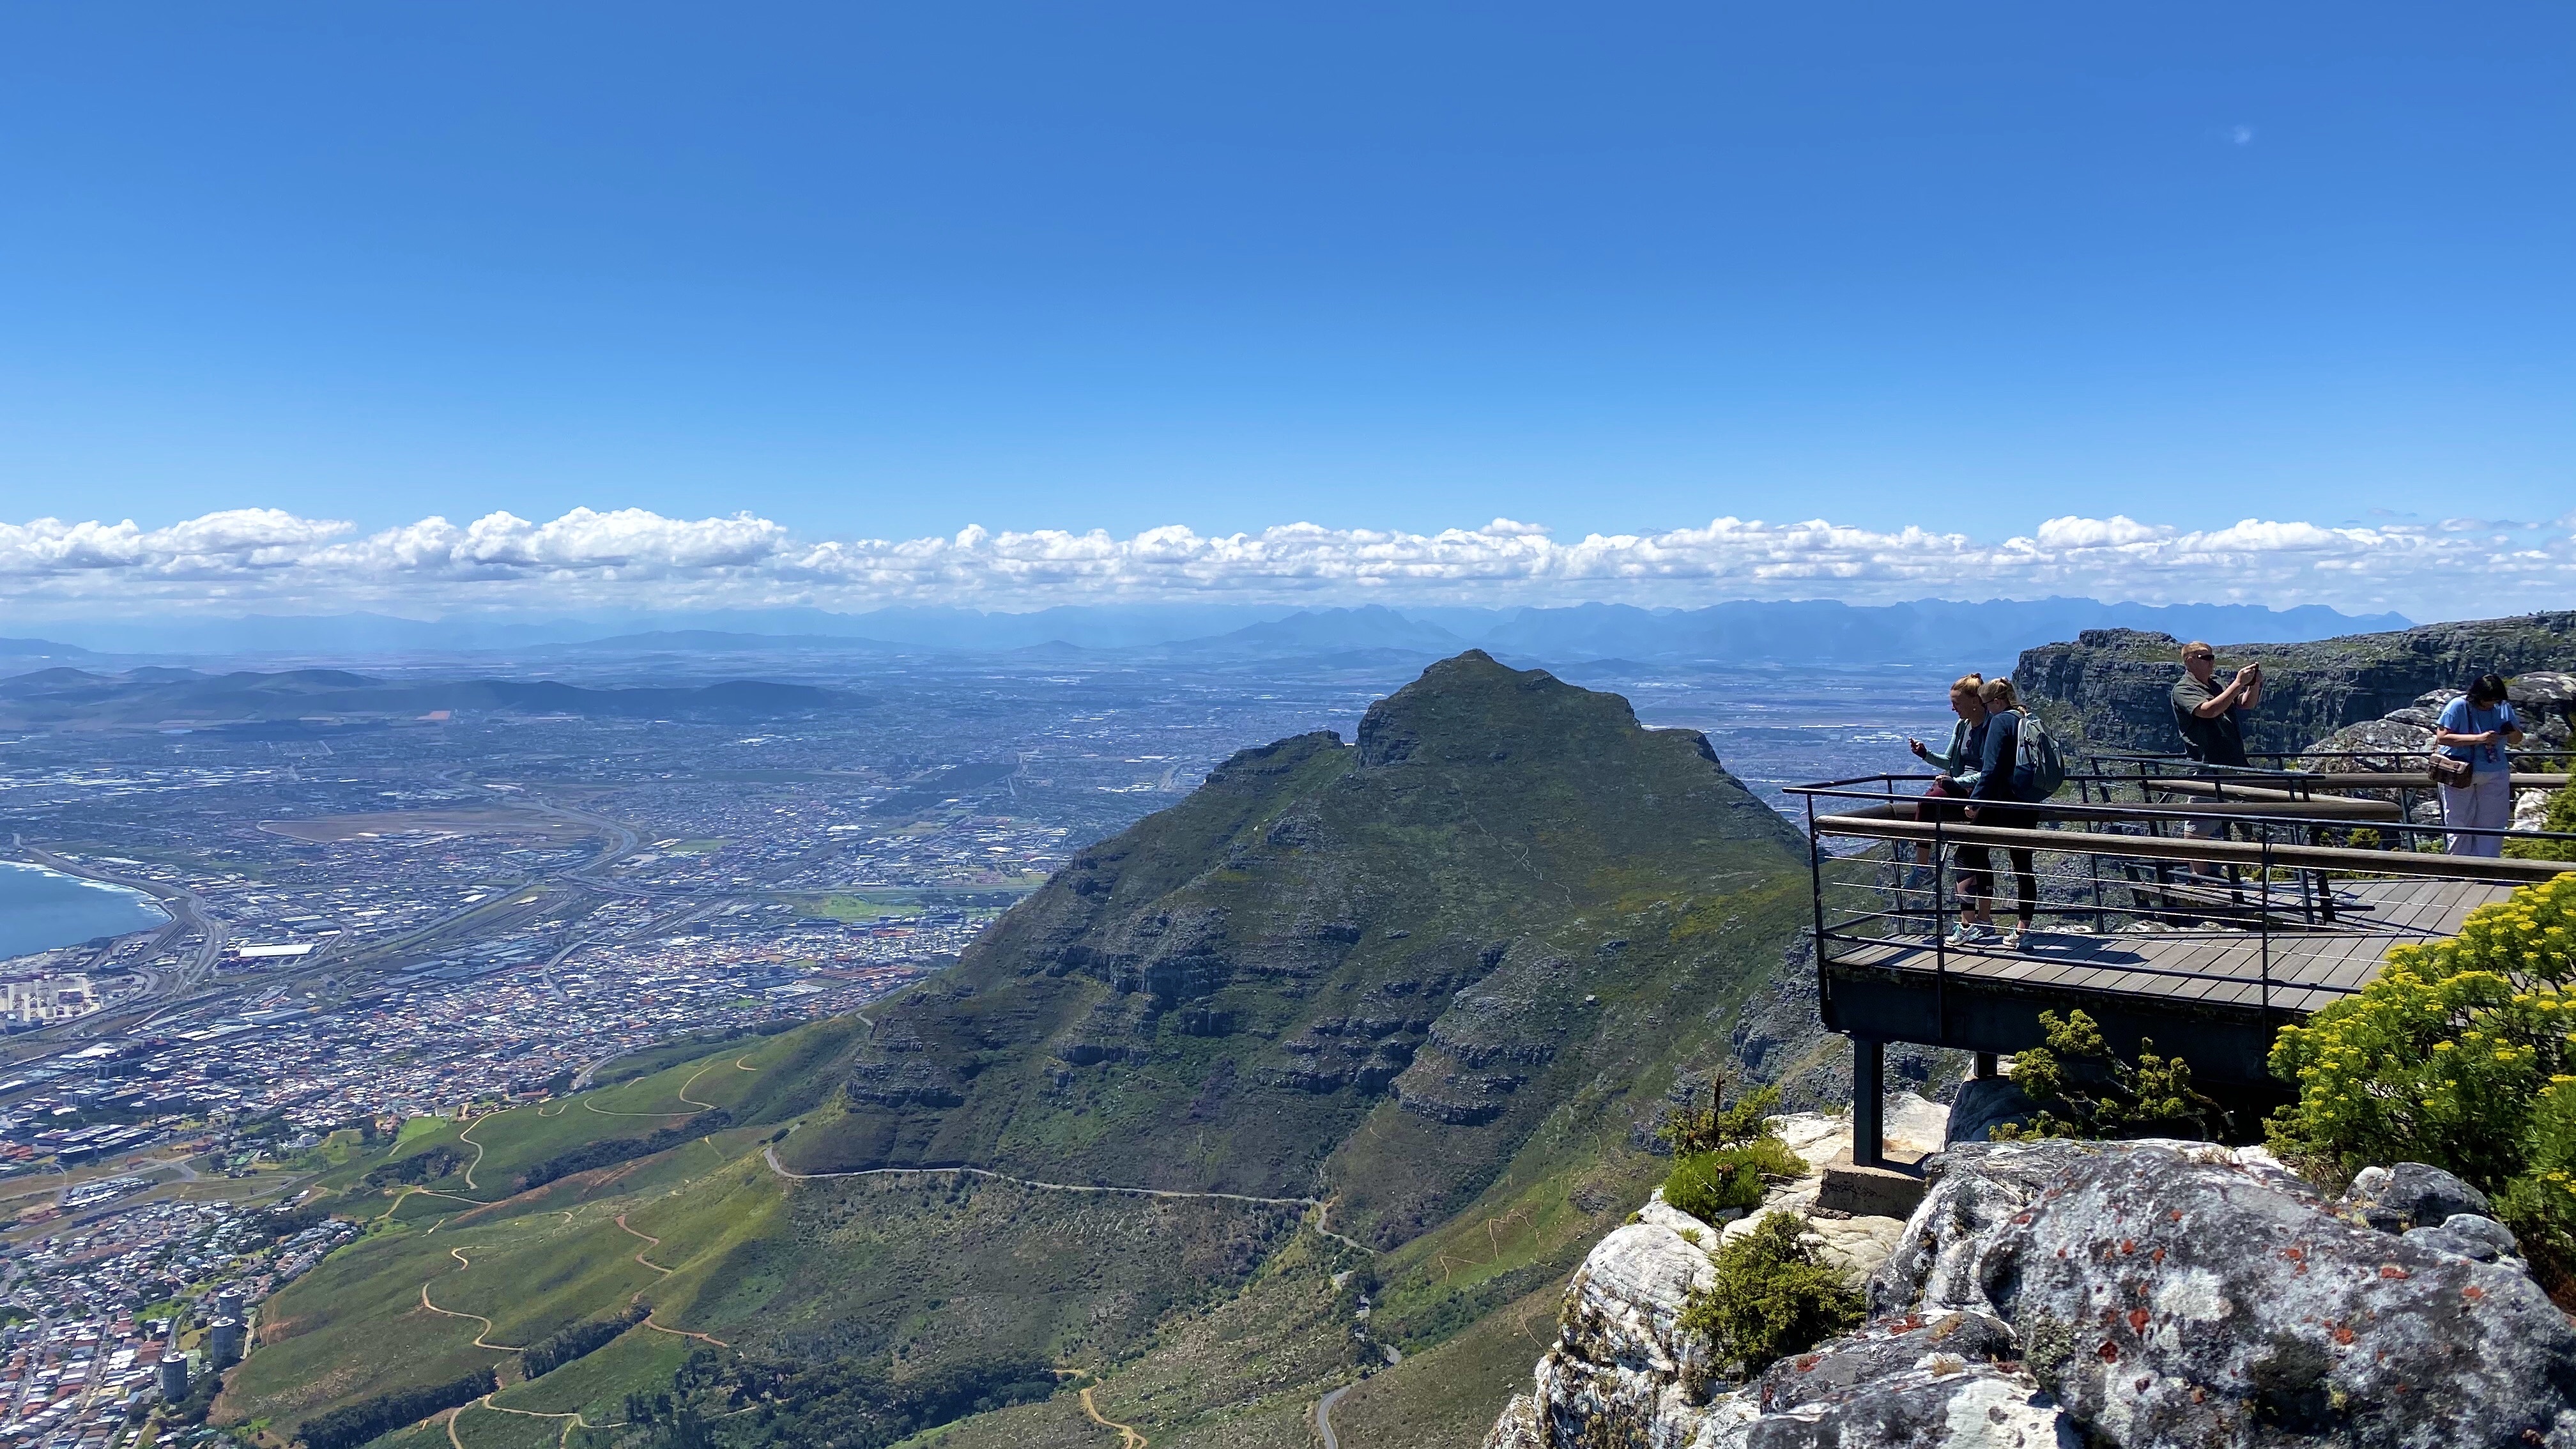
x,y
41,909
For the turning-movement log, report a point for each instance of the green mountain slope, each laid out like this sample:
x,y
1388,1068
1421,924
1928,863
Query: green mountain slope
x,y
1361,972
1443,981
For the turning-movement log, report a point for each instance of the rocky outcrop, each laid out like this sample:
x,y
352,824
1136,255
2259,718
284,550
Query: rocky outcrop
x,y
2112,684
1622,1371
2133,1295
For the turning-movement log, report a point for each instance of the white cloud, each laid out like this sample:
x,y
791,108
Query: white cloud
x,y
268,560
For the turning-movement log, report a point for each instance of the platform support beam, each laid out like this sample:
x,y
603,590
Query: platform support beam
x,y
1869,1102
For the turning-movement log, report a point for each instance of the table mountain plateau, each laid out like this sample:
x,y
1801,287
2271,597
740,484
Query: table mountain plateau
x,y
1359,971
2113,683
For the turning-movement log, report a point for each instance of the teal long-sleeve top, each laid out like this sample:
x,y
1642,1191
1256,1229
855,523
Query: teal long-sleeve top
x,y
1964,761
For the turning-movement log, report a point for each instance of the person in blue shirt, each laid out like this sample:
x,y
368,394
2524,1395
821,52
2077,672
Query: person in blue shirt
x,y
2480,728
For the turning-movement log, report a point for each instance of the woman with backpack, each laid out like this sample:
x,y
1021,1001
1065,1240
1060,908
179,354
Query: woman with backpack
x,y
2008,776
2476,730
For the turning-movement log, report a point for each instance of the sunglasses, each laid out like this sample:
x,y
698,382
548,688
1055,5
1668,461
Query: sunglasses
x,y
2193,658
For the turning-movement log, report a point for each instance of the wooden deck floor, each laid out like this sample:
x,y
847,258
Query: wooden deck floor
x,y
2308,968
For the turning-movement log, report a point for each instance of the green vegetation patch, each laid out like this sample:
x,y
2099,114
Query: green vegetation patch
x,y
1771,1297
2459,1055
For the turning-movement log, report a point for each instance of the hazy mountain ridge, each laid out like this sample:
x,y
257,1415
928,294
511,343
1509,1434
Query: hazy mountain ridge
x,y
1742,630
155,696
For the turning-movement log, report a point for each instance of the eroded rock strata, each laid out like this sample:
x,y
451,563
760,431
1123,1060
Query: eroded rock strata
x,y
2146,1295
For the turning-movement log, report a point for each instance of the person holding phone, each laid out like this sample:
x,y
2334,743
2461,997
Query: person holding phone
x,y
2211,719
2478,728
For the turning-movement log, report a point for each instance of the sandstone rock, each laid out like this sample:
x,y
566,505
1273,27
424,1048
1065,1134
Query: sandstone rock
x,y
2381,743
2547,689
2470,1236
1985,1103
1519,1427
1915,1125
1856,1246
2170,1293
2133,1295
1662,1214
1620,1357
2409,1195
2114,683
1936,1381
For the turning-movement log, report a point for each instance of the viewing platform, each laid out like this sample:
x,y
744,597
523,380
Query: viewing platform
x,y
2289,897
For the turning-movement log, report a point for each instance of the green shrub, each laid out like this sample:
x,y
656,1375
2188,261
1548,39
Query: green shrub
x,y
2458,1055
1723,1155
1770,1299
2085,1090
1749,1120
1707,1184
2560,816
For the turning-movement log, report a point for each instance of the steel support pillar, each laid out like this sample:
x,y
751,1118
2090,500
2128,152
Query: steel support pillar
x,y
1869,1103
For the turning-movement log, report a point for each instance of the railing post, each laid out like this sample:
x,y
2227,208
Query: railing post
x,y
2263,924
1940,937
1816,884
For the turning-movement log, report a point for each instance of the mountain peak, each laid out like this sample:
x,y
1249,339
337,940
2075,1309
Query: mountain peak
x,y
1471,708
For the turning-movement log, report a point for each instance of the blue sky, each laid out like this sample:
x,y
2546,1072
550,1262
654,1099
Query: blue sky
x,y
883,272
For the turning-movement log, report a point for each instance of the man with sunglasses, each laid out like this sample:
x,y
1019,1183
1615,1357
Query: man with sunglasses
x,y
2210,716
2211,719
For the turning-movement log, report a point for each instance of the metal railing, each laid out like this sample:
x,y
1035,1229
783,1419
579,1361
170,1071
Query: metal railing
x,y
2250,864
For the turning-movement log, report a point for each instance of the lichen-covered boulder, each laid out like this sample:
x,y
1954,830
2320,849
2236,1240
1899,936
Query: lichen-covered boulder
x,y
1943,1381
1620,1355
1985,1103
2409,1195
2170,1293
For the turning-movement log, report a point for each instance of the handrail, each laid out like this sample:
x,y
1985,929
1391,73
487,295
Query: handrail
x,y
2224,852
2178,814
2280,879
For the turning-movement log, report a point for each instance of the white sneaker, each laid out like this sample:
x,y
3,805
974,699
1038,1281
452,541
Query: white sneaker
x,y
2011,940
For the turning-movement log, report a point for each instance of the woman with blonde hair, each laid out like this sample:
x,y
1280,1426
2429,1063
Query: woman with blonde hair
x,y
1961,768
1998,805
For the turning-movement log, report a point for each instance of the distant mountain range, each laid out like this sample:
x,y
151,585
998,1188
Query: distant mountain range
x,y
1747,631
183,696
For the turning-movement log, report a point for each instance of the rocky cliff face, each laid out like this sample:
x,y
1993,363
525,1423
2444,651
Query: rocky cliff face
x,y
2113,683
1365,971
2132,1295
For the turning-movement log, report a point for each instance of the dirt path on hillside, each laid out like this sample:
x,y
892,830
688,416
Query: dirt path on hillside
x,y
466,1135
652,1241
1306,1205
463,1263
571,1421
1128,1438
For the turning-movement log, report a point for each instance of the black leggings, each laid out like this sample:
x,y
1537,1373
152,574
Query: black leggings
x,y
1977,877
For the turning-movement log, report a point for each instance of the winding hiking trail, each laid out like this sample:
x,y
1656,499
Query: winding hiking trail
x,y
1128,1438
572,1421
652,1241
466,1136
694,1106
1318,1206
463,1263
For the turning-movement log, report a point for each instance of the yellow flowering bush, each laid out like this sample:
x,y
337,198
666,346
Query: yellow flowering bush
x,y
2458,1055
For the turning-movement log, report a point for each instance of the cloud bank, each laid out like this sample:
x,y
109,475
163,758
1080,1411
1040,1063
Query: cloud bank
x,y
268,561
